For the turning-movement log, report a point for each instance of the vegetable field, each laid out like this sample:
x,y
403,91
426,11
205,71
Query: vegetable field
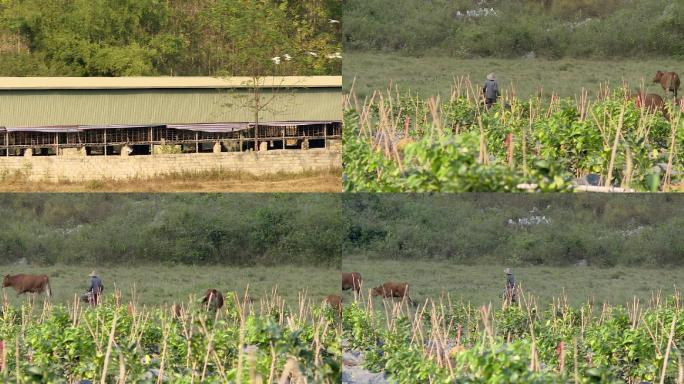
x,y
122,341
445,341
396,142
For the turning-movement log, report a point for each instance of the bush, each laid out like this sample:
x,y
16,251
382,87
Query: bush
x,y
602,230
235,229
577,28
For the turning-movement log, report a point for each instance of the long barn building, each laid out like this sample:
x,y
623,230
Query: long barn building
x,y
43,116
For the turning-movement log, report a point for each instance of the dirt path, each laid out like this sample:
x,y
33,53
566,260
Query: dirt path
x,y
325,182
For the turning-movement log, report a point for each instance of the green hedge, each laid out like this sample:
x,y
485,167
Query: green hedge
x,y
322,229
168,37
603,230
226,229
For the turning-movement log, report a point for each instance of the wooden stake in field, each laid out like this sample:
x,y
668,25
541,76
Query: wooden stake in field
x,y
667,351
103,375
674,123
609,178
509,145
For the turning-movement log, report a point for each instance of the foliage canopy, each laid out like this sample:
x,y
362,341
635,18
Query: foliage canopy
x,y
176,37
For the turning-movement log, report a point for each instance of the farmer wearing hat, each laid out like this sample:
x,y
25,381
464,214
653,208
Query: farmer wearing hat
x,y
95,289
490,90
509,292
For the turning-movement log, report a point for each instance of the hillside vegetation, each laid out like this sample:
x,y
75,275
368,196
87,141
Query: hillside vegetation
x,y
511,28
174,37
197,229
510,229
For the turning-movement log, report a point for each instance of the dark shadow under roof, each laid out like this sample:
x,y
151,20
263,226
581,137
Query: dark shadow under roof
x,y
200,127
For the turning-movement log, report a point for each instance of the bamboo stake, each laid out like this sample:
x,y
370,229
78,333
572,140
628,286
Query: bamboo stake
x,y
103,375
667,351
668,170
615,144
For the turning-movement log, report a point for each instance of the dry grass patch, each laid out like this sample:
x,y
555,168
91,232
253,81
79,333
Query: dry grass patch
x,y
212,181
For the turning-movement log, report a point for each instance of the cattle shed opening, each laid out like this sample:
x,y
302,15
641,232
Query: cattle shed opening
x,y
166,138
140,116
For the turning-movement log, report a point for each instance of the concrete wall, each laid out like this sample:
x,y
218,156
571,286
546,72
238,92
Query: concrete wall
x,y
67,168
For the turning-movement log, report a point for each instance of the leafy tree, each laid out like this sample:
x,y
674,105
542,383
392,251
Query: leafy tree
x,y
174,37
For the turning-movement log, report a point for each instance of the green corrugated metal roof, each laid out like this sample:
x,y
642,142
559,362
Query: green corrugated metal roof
x,y
20,108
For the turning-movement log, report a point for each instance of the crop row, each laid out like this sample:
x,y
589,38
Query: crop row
x,y
444,342
121,343
399,142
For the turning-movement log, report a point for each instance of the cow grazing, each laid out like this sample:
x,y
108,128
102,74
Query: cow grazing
x,y
390,289
668,80
335,301
651,102
23,283
351,280
213,299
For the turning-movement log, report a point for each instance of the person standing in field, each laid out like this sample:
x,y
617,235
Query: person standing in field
x,y
509,292
490,90
95,289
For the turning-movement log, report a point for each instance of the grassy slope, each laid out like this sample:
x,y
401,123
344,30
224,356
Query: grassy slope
x,y
156,285
434,75
482,284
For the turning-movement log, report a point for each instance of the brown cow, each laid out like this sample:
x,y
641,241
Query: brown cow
x,y
213,299
390,289
651,102
334,301
668,80
23,283
351,280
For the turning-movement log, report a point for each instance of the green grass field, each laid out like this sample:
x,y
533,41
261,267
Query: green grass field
x,y
434,75
156,285
481,284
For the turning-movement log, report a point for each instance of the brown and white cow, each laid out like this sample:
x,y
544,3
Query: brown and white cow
x,y
351,280
23,283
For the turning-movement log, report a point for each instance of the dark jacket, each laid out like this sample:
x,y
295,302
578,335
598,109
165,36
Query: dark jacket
x,y
510,281
96,285
491,89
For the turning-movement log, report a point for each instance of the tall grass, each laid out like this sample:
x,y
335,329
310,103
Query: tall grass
x,y
433,75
